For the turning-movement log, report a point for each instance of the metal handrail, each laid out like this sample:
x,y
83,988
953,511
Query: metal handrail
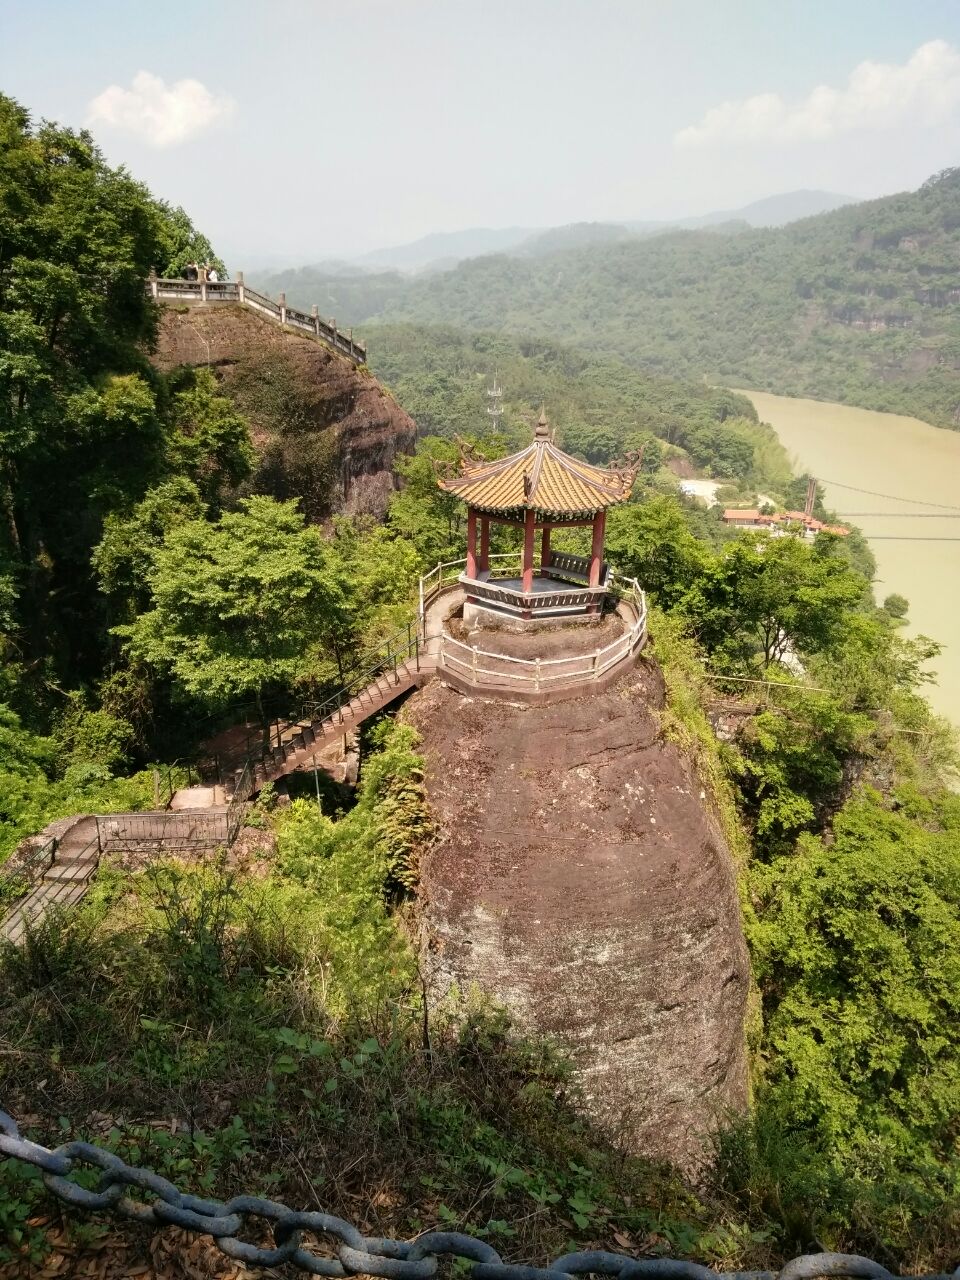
x,y
311,720
16,881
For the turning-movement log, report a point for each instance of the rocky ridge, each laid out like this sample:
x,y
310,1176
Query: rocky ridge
x,y
581,879
324,430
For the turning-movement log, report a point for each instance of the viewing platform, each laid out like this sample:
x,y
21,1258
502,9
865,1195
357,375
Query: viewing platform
x,y
535,665
214,292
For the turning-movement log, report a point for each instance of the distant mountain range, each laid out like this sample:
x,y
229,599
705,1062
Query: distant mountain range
x,y
860,304
441,250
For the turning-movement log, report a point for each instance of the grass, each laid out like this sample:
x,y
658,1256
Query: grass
x,y
201,1014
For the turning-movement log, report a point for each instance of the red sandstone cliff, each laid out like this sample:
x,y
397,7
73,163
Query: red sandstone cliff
x,y
324,431
582,881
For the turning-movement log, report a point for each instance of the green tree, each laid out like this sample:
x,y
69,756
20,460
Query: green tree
x,y
182,243
124,556
858,960
896,606
236,604
433,521
210,441
651,541
82,429
763,597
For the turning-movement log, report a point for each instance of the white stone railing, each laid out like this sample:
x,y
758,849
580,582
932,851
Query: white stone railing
x,y
537,675
531,675
207,291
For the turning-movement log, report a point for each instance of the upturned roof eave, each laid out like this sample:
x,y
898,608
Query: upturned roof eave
x,y
549,513
523,477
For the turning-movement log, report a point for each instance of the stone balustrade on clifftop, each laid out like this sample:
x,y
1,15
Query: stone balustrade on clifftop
x,y
207,292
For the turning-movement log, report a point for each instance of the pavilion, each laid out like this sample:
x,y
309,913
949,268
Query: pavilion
x,y
539,489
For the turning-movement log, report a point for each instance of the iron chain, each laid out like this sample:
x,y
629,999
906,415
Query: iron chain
x,y
356,1254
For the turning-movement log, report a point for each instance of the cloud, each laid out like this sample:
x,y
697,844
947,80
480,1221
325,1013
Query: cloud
x,y
160,114
878,95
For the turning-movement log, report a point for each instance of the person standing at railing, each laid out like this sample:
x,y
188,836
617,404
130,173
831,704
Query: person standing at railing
x,y
213,275
191,271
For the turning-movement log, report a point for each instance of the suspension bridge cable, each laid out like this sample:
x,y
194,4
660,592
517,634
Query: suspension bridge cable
x,y
903,515
892,497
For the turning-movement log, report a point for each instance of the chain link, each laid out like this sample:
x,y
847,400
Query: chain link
x,y
356,1254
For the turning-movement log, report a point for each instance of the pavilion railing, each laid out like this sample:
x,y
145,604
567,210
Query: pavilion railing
x,y
481,667
510,565
205,291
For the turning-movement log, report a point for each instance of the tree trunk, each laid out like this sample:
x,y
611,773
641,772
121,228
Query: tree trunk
x,y
264,722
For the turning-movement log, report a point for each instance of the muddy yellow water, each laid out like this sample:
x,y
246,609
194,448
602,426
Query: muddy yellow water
x,y
917,549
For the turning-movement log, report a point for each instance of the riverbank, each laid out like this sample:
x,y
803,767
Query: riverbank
x,y
867,462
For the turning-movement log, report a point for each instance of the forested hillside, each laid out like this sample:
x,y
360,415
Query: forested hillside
x,y
601,408
259,1022
859,305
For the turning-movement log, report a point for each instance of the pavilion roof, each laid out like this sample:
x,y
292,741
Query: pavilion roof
x,y
541,478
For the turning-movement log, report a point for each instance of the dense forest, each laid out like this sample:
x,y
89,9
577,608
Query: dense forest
x,y
260,1024
858,305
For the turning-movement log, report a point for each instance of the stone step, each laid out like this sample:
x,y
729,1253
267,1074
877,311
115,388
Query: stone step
x,y
78,852
79,869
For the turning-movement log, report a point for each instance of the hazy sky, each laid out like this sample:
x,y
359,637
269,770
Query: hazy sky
x,y
305,129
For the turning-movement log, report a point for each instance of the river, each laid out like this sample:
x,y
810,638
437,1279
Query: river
x,y
894,455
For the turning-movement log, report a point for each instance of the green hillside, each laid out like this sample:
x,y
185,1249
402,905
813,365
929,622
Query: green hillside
x,y
261,1023
601,408
859,305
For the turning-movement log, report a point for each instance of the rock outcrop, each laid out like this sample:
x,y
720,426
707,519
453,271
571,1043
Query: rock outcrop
x,y
582,881
324,431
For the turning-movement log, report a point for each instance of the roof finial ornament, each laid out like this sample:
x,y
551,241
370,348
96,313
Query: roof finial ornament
x,y
543,426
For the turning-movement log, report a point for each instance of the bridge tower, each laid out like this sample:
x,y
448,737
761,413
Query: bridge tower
x,y
811,497
495,407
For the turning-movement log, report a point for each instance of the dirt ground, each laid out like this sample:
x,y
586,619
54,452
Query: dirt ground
x,y
541,642
583,881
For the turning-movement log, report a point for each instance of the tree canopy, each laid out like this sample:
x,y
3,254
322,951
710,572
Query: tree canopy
x,y
236,603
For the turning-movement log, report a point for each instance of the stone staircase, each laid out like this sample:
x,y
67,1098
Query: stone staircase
x,y
300,743
63,883
78,852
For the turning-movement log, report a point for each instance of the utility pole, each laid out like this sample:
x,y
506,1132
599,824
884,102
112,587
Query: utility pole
x,y
495,407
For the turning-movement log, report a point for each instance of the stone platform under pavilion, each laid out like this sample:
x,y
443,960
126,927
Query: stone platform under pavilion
x,y
539,489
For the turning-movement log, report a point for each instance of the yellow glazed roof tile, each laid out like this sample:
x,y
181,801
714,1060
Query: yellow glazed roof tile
x,y
541,478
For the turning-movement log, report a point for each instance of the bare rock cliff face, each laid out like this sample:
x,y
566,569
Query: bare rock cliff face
x,y
582,881
324,431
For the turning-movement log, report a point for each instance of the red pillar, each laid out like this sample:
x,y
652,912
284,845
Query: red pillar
x,y
484,543
545,547
471,543
528,534
596,551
